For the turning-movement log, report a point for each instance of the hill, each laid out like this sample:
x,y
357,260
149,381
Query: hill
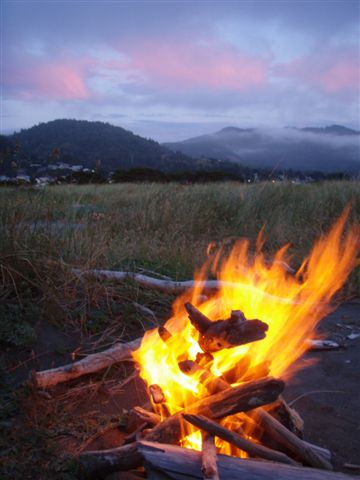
x,y
328,149
93,144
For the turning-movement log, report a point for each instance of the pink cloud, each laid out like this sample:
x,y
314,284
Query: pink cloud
x,y
188,65
333,71
61,79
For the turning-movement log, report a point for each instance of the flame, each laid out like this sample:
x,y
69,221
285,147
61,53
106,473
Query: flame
x,y
291,304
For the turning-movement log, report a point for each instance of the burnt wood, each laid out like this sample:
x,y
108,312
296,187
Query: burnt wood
x,y
211,383
232,400
219,334
244,444
208,457
289,440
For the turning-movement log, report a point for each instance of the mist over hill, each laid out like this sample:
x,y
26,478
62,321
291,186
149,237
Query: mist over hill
x,y
328,149
49,147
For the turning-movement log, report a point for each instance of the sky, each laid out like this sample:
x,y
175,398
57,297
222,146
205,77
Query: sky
x,y
170,70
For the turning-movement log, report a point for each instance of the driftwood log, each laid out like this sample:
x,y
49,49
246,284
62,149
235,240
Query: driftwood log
x,y
171,287
176,463
98,464
289,440
89,364
233,438
216,335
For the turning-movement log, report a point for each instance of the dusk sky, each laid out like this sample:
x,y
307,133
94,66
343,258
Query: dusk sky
x,y
170,70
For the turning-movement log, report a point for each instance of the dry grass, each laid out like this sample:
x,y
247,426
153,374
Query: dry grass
x,y
157,229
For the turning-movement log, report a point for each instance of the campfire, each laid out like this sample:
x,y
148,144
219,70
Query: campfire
x,y
216,370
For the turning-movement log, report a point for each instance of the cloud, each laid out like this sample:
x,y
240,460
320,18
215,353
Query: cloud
x,y
333,71
32,78
213,65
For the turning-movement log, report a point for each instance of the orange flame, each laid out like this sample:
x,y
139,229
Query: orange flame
x,y
291,305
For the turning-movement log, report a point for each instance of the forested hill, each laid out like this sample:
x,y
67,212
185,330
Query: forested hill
x,y
94,144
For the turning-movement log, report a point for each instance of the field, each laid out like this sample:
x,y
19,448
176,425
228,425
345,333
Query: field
x,y
49,315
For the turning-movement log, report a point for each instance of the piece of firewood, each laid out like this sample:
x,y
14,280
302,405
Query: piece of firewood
x,y
156,393
89,364
288,416
234,331
164,333
146,416
252,448
242,398
289,440
170,461
204,358
97,464
211,383
235,373
208,457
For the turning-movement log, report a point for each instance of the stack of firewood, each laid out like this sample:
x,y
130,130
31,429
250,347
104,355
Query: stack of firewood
x,y
277,429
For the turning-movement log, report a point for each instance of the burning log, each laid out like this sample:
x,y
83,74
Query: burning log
x,y
239,370
164,333
251,448
232,400
89,364
208,457
290,441
157,394
204,358
211,383
169,461
229,333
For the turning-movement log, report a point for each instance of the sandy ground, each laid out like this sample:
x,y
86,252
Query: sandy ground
x,y
326,393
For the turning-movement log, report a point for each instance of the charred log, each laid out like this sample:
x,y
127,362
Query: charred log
x,y
290,441
234,331
244,444
232,400
208,457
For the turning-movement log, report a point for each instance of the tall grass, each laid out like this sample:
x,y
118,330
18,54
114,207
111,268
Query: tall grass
x,y
161,228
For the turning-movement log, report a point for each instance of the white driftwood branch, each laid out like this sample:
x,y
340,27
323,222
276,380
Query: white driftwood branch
x,y
318,345
89,364
117,353
172,286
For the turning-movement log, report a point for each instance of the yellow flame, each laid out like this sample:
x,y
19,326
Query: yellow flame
x,y
291,305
